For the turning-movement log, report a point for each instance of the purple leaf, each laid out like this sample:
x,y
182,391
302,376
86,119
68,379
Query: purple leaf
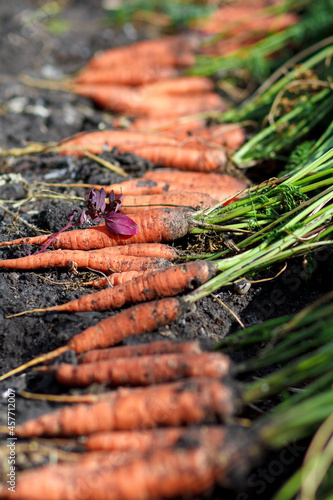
x,y
120,224
114,202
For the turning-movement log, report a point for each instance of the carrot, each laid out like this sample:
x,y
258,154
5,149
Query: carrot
x,y
146,440
143,370
99,260
149,286
175,181
184,158
139,319
124,140
156,225
147,49
141,73
130,351
134,102
198,461
134,204
177,403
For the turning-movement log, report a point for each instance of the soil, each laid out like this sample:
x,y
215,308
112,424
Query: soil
x,y
29,46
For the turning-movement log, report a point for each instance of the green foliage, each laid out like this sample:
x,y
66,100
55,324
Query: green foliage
x,y
298,156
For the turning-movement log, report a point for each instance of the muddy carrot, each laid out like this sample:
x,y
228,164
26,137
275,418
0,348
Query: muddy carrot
x,y
139,319
99,261
149,286
130,351
192,199
177,403
154,226
143,370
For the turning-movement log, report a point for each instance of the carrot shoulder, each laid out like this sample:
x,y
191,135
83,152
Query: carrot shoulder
x,y
154,226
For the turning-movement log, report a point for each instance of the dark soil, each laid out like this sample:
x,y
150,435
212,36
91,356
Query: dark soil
x,y
34,114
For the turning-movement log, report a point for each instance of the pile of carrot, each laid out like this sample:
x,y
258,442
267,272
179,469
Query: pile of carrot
x,y
144,79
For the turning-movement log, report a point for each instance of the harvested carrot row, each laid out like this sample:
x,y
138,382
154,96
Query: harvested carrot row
x,y
143,370
194,465
156,225
150,286
130,351
178,403
136,320
191,199
99,261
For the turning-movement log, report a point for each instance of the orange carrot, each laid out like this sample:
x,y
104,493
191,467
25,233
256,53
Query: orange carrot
x,y
139,319
135,102
146,440
184,158
141,73
147,49
135,204
130,351
143,370
149,286
176,181
98,260
156,225
173,404
96,142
